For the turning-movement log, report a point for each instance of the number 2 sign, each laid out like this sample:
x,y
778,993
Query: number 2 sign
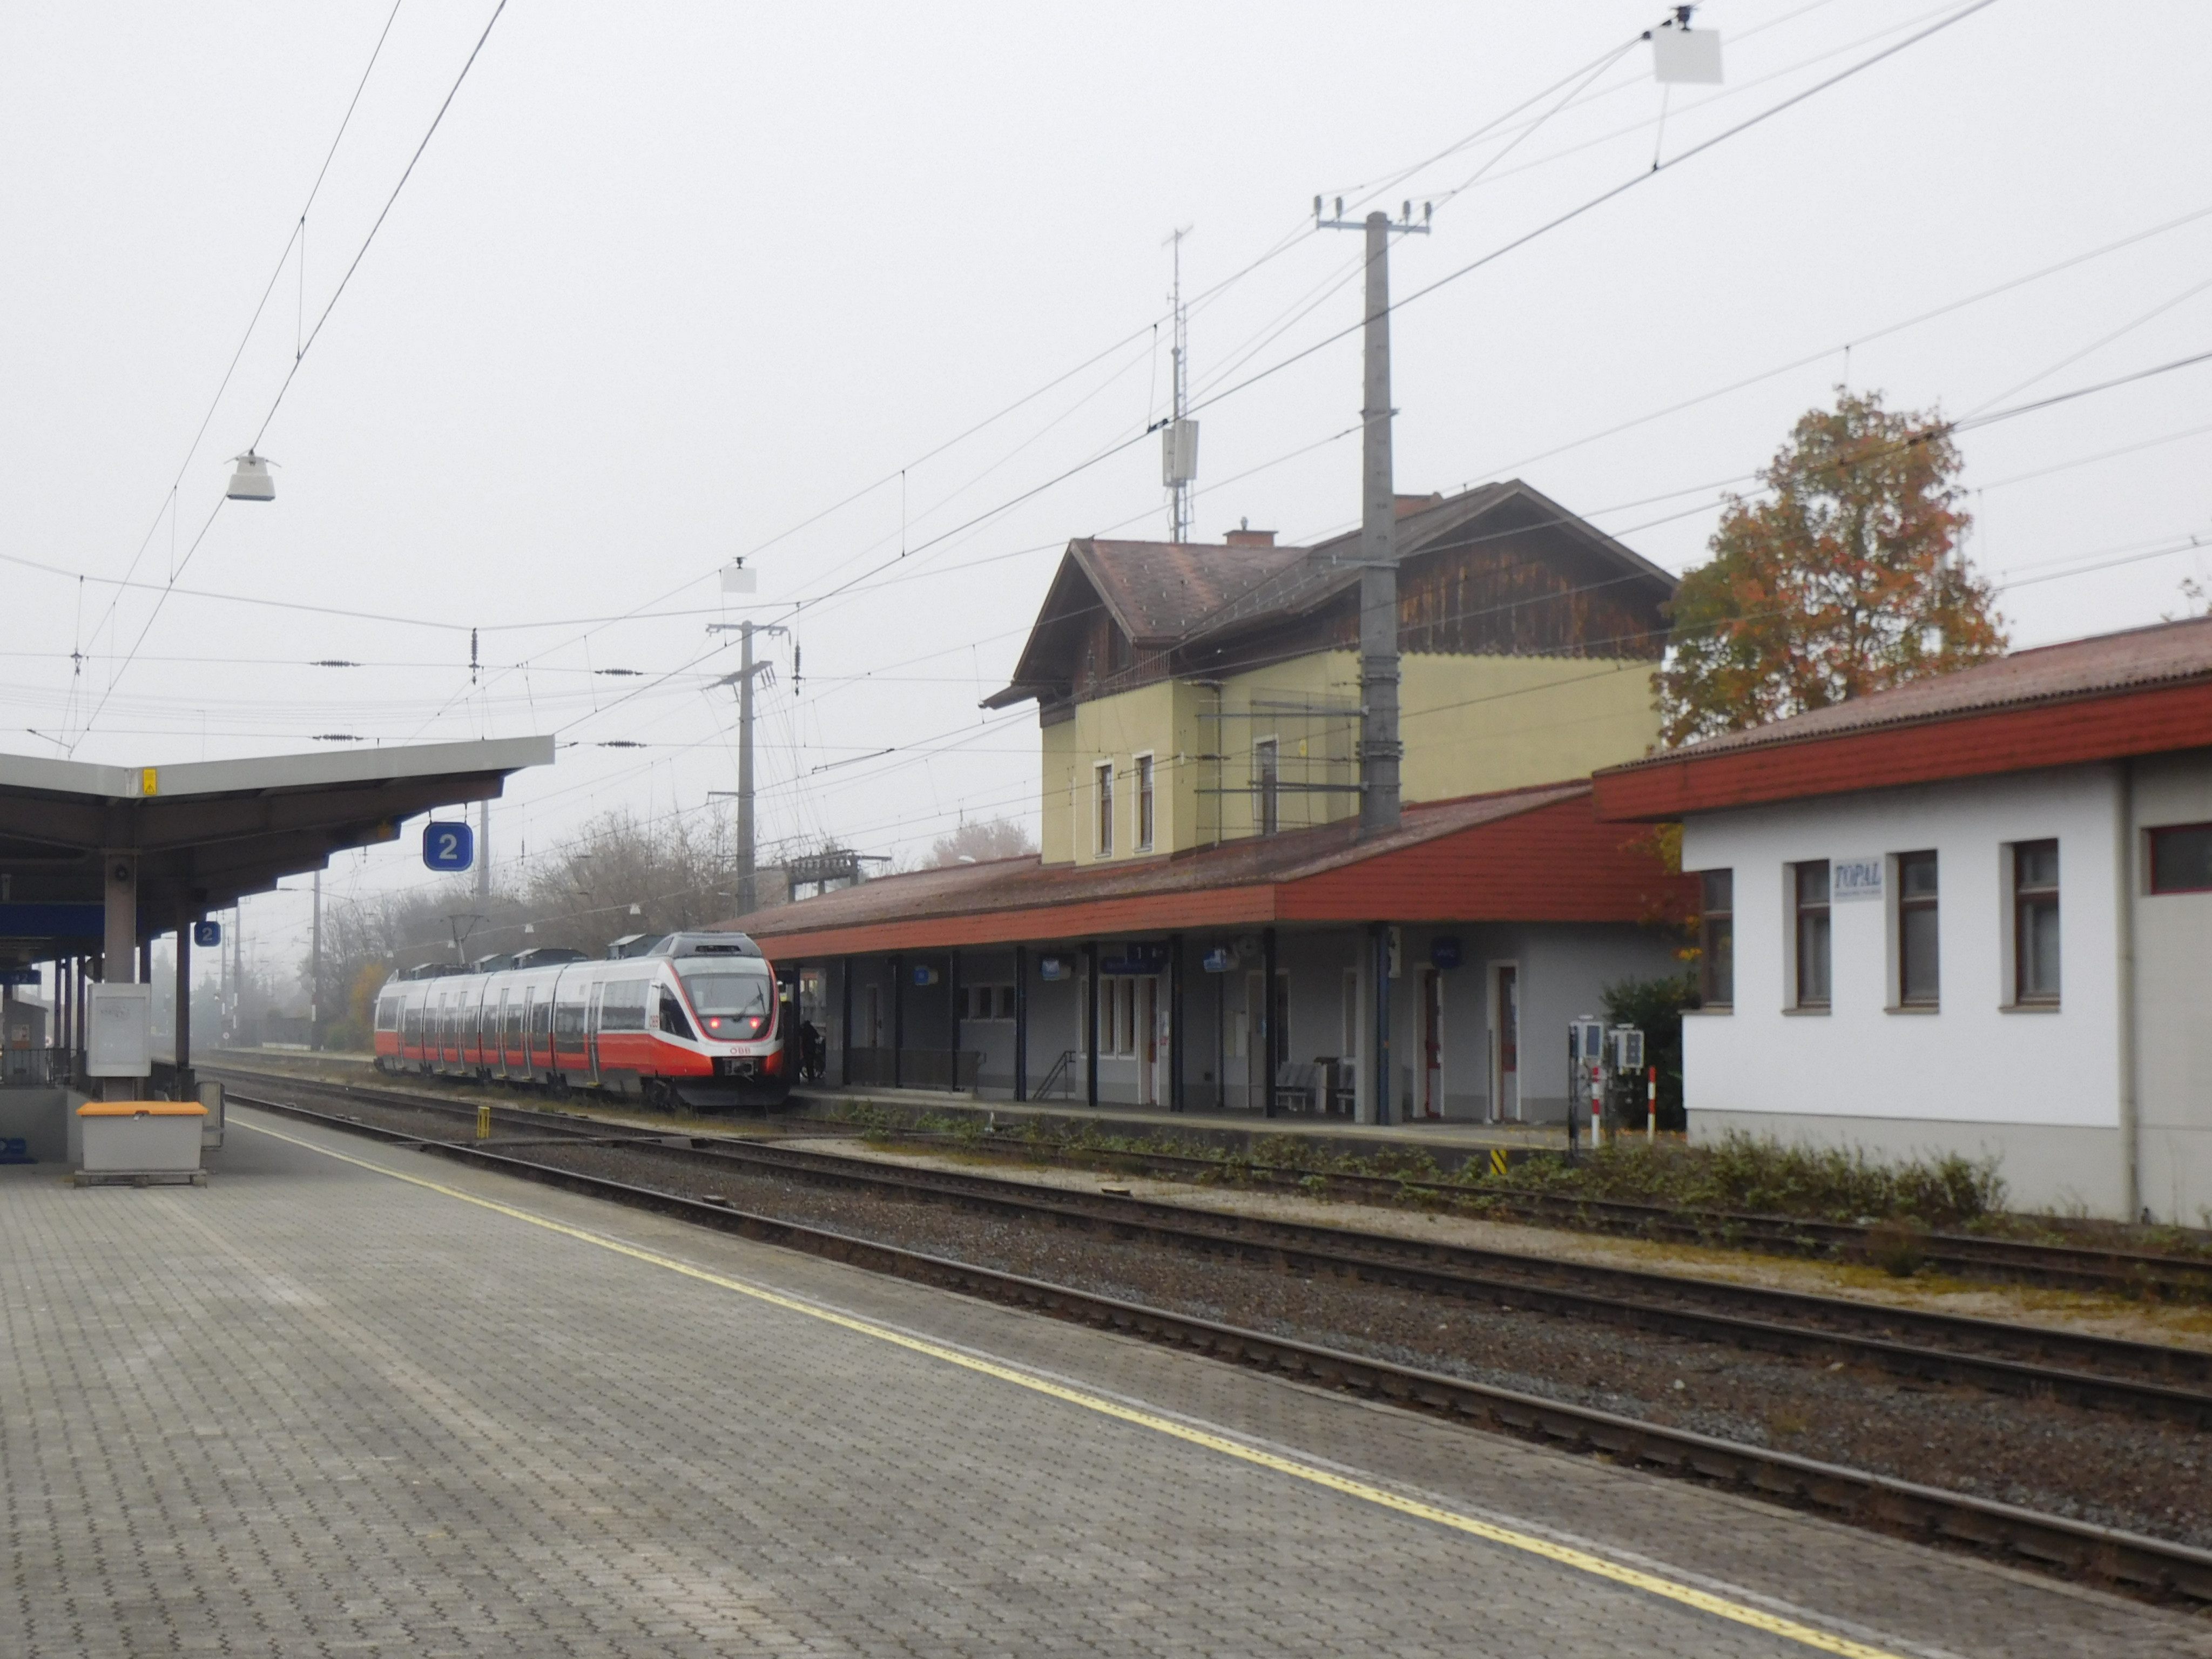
x,y
448,846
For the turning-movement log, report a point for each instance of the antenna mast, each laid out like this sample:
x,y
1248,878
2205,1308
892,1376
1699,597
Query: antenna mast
x,y
1179,454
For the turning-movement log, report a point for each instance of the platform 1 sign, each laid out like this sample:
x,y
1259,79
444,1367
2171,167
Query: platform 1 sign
x,y
207,932
448,846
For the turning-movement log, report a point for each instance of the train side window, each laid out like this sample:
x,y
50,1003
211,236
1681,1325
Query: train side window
x,y
671,1016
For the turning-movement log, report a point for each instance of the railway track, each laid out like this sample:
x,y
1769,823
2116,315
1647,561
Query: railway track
x,y
2079,1548
2103,1373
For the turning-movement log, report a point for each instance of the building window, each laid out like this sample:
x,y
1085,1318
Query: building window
x,y
2181,858
1812,933
1918,963
2035,923
1716,940
1144,803
987,1002
1267,786
1104,772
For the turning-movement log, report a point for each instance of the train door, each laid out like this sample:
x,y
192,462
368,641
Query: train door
x,y
1505,1041
1432,1043
495,1034
591,1033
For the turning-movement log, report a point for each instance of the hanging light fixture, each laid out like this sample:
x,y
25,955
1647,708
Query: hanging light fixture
x,y
252,482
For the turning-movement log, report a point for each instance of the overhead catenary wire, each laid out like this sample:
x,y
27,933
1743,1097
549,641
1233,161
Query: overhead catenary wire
x,y
305,346
191,449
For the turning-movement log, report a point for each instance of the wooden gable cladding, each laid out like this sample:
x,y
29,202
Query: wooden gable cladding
x,y
1523,591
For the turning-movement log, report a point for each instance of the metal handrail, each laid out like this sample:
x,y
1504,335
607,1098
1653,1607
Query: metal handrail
x,y
1062,1067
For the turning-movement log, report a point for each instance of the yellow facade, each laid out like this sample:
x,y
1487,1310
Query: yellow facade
x,y
1470,725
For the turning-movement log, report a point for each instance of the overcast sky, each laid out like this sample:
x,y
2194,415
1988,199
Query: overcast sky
x,y
671,284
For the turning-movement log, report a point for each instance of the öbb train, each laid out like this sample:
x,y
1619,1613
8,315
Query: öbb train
x,y
694,1018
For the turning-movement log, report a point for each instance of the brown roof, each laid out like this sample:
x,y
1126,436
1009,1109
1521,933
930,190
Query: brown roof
x,y
1167,594
1158,591
2145,691
1249,864
2165,653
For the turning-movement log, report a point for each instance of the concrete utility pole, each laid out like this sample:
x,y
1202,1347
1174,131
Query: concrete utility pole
x,y
748,884
748,670
1380,750
484,848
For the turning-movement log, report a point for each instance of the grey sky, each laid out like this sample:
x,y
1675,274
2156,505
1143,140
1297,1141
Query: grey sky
x,y
670,280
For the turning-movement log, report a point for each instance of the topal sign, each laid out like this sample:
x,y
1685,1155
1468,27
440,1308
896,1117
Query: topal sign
x,y
1853,879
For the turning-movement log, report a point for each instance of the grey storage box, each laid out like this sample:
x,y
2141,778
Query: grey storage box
x,y
134,1139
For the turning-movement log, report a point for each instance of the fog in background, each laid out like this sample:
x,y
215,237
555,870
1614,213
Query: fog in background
x,y
672,284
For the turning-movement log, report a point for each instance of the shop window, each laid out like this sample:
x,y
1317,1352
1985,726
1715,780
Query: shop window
x,y
1811,881
2181,858
1919,963
2035,923
1716,938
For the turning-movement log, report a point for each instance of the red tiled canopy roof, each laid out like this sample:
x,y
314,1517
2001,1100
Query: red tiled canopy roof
x,y
1524,855
2143,691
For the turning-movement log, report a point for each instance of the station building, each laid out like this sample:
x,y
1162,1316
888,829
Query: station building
x,y
1205,928
1972,914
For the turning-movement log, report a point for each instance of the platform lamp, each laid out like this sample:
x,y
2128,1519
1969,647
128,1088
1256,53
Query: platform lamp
x,y
252,482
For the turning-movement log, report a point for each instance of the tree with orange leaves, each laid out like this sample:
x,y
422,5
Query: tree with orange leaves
x,y
1839,578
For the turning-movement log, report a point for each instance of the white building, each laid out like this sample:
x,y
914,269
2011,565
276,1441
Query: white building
x,y
1972,914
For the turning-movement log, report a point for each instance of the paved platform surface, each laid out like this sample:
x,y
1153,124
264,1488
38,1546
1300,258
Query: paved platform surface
x,y
321,1406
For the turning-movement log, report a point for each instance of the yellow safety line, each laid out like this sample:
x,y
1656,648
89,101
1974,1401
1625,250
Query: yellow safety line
x,y
1581,1560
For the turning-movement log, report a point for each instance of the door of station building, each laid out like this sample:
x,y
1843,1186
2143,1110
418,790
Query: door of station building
x,y
1505,1041
1432,1043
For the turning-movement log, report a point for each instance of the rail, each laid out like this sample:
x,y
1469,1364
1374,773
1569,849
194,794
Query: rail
x,y
2143,1379
1929,1514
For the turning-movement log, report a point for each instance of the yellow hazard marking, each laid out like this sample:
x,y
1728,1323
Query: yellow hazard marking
x,y
1564,1555
1498,1160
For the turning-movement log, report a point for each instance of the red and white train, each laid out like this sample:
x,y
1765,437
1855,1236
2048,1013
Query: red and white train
x,y
698,1019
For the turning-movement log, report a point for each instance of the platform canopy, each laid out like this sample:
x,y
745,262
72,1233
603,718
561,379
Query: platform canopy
x,y
194,837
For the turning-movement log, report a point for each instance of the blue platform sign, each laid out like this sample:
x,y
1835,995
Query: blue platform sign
x,y
1443,952
19,977
207,932
448,846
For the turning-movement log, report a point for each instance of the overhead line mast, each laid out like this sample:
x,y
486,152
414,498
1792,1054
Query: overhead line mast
x,y
1179,451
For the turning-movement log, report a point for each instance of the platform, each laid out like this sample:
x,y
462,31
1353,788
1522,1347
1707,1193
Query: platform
x,y
353,1399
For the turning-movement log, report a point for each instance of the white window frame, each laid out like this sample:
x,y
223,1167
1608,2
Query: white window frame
x,y
1102,808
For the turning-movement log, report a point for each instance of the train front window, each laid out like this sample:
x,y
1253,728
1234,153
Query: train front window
x,y
730,1002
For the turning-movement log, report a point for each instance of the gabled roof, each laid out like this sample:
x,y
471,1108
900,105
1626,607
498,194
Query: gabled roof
x,y
1533,854
2143,691
1165,595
